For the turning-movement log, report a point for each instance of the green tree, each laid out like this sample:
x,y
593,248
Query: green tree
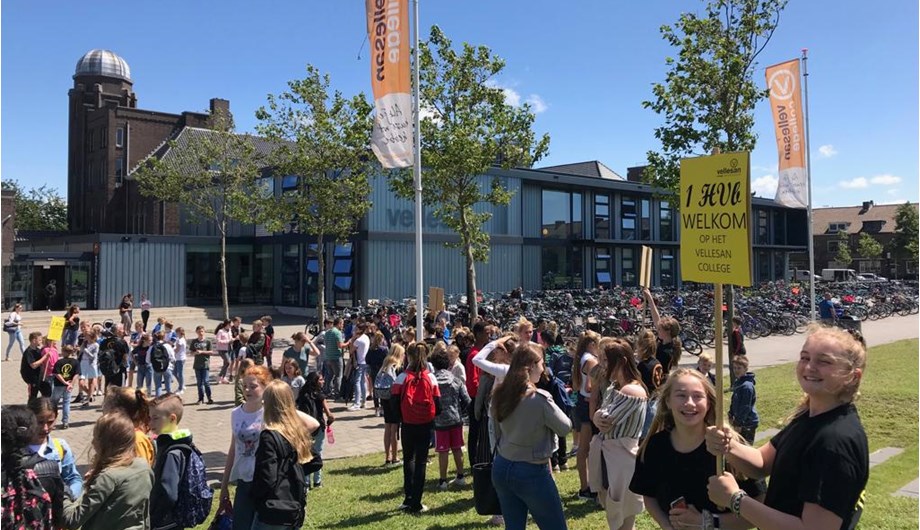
x,y
867,247
708,96
40,208
325,141
904,244
214,175
468,129
843,256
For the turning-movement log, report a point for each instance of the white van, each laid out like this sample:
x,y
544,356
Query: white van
x,y
839,275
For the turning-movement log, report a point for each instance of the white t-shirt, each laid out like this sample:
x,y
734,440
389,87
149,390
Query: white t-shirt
x,y
181,348
246,428
362,344
458,370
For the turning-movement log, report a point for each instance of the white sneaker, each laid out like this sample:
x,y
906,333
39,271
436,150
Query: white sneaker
x,y
354,408
459,481
442,485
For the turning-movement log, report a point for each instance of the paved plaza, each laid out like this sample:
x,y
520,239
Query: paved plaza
x,y
356,433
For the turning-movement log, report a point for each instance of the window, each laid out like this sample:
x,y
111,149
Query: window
x,y
666,257
289,182
833,246
311,278
666,223
645,221
561,267
762,226
119,170
602,269
779,229
342,275
763,267
562,215
628,218
628,264
120,137
833,228
602,217
104,137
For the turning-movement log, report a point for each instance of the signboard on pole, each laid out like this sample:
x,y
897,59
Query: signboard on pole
x,y
56,330
435,300
645,267
715,240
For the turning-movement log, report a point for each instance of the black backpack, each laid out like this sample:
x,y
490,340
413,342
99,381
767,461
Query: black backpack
x,y
159,358
107,362
26,504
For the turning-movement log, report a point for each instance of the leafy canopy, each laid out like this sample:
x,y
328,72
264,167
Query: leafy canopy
x,y
868,247
905,242
40,208
708,96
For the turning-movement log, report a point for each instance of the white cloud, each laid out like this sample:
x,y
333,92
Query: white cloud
x,y
858,182
894,191
885,180
765,186
513,97
827,151
537,105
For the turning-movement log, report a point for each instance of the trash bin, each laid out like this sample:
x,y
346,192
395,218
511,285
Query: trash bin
x,y
850,322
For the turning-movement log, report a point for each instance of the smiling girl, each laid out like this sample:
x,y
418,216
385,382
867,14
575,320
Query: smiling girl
x,y
819,463
673,465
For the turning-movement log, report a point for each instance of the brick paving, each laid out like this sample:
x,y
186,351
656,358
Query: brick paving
x,y
356,433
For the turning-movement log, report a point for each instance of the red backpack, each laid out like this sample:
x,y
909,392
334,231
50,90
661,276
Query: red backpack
x,y
417,405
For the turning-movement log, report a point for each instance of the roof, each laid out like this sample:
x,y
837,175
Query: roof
x,y
104,63
183,136
877,218
591,168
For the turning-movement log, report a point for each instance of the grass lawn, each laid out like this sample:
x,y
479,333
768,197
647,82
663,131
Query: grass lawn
x,y
359,493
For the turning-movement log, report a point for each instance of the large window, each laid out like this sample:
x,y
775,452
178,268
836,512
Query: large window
x,y
763,267
602,217
628,218
628,266
120,137
645,220
311,278
561,267
666,257
666,222
290,275
779,228
343,275
602,267
762,227
562,213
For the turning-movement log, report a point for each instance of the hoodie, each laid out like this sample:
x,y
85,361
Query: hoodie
x,y
168,469
743,412
454,400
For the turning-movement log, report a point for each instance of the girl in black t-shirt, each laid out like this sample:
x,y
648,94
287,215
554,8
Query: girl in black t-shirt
x,y
819,463
673,466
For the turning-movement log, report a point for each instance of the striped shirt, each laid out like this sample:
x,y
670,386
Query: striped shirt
x,y
626,412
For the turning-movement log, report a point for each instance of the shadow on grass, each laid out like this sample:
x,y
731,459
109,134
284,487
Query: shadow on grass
x,y
364,471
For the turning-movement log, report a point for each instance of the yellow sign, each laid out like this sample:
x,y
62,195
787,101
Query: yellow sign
x,y
56,329
715,219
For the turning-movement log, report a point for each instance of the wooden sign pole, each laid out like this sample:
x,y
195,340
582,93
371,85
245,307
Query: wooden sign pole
x,y
720,370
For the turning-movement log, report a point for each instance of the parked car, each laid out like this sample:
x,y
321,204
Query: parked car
x,y
870,277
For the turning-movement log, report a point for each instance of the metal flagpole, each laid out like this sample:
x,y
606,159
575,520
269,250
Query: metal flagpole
x,y
811,228
419,279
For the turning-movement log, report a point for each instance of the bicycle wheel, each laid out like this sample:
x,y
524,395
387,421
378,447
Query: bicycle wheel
x,y
691,344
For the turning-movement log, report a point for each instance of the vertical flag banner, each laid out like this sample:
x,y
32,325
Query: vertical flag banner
x,y
645,267
388,34
788,118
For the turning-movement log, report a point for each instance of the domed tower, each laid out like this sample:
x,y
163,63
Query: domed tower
x,y
101,84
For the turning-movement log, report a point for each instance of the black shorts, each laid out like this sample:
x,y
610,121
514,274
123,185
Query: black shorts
x,y
390,410
581,409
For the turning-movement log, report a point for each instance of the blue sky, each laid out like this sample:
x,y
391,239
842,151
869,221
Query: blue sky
x,y
586,66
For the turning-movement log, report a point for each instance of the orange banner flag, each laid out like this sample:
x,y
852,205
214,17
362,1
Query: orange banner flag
x,y
388,33
789,119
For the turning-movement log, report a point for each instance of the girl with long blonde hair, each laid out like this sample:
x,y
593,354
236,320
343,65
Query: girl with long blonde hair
x,y
392,366
117,488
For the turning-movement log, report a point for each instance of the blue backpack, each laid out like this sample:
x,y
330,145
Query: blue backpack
x,y
195,496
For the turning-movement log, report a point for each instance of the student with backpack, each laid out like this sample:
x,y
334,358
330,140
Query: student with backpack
x,y
117,489
180,497
448,424
313,402
33,491
419,399
141,354
31,368
383,389
113,354
162,358
269,332
278,485
53,448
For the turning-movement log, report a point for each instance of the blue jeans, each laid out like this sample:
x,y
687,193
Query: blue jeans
x,y
360,385
60,396
244,510
159,378
523,487
319,442
179,373
334,380
145,375
201,380
69,336
15,336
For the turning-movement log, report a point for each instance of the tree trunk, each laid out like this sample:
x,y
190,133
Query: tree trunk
x,y
471,299
223,270
321,281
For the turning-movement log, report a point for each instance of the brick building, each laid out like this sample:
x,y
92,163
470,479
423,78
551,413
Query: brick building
x,y
8,211
108,135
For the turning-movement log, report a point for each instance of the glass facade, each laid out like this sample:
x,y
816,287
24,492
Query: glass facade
x,y
290,275
665,221
561,268
602,216
628,218
603,267
645,219
249,274
628,267
666,268
562,215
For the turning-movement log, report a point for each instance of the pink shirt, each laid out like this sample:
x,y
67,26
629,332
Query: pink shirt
x,y
53,357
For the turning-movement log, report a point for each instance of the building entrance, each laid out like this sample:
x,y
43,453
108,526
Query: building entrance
x,y
48,287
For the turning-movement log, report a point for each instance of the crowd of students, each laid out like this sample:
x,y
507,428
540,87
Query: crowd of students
x,y
645,431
